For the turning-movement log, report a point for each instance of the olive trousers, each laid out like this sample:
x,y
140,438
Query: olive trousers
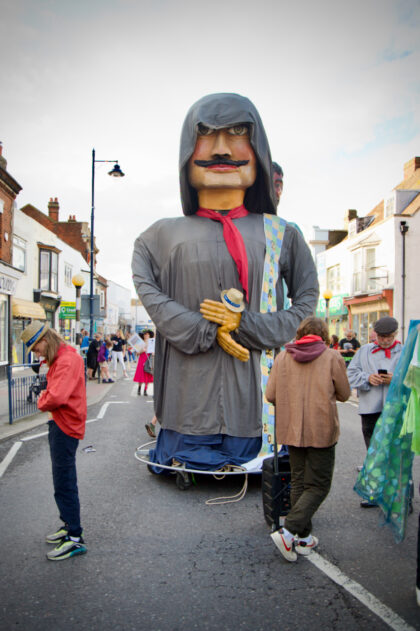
x,y
311,476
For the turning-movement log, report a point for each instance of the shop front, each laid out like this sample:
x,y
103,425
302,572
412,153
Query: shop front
x,y
67,319
8,283
337,314
365,310
23,312
50,302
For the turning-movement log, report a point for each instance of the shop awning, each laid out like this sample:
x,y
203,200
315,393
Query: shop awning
x,y
27,309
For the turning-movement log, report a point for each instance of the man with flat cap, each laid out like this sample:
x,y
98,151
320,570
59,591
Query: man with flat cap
x,y
214,347
371,371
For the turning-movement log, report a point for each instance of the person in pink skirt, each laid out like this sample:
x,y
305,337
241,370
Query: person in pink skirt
x,y
141,375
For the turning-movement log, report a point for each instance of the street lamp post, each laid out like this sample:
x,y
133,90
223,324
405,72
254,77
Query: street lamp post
x,y
327,295
78,281
115,172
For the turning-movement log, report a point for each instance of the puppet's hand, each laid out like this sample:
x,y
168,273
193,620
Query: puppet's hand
x,y
217,312
230,346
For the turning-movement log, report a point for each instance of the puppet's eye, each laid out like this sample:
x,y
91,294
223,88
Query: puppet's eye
x,y
203,130
239,130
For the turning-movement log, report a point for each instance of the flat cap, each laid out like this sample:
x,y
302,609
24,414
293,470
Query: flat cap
x,y
385,325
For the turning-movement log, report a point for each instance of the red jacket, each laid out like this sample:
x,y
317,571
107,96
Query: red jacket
x,y
65,396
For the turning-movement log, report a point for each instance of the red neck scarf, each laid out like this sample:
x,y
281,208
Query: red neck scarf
x,y
387,351
233,239
309,338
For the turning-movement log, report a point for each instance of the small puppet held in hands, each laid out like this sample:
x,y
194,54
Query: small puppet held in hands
x,y
228,315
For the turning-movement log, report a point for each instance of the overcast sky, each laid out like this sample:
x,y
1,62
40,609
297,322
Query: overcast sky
x,y
337,85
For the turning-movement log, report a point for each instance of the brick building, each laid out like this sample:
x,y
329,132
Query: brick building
x,y
9,275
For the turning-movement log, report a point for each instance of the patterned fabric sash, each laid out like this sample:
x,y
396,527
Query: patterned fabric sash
x,y
387,469
274,231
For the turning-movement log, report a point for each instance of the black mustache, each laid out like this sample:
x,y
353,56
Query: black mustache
x,y
210,163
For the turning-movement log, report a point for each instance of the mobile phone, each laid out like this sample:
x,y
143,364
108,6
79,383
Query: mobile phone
x,y
382,371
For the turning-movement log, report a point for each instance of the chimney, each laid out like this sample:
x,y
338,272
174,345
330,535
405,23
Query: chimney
x,y
410,167
3,161
350,214
53,208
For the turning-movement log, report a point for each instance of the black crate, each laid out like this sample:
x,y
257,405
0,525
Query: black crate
x,y
276,489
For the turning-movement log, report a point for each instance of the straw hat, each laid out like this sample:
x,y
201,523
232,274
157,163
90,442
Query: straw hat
x,y
233,299
33,333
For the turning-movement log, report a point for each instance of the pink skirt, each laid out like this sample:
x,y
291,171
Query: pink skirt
x,y
141,376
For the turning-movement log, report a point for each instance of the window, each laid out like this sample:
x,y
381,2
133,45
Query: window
x,y
357,271
333,279
19,253
371,269
4,328
68,274
48,270
362,323
364,270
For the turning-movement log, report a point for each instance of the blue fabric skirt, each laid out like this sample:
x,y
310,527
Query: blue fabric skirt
x,y
207,453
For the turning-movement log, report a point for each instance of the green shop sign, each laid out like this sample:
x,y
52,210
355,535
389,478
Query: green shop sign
x,y
67,311
336,306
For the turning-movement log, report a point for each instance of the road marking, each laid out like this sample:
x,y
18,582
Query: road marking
x,y
34,436
355,405
105,407
92,420
11,454
386,614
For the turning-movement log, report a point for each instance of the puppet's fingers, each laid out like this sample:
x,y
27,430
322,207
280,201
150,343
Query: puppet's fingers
x,y
231,347
213,304
212,316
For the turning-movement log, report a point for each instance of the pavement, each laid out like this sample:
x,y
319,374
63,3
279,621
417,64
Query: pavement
x,y
95,392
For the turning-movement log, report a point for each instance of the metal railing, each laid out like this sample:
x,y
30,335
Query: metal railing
x,y
24,390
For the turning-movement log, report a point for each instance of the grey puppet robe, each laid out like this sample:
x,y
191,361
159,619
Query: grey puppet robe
x,y
177,263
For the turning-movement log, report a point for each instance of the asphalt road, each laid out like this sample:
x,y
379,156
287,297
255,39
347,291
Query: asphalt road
x,y
160,559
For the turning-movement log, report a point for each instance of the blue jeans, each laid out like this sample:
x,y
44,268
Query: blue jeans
x,y
63,459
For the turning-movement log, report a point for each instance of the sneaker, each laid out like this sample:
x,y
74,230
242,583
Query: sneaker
x,y
150,429
305,547
110,381
368,504
60,533
284,544
67,548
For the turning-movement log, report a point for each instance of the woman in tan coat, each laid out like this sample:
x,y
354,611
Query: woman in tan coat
x,y
305,382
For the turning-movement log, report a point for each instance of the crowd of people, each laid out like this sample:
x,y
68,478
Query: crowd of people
x,y
104,353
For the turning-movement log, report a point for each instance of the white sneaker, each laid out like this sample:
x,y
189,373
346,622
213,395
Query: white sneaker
x,y
305,547
284,544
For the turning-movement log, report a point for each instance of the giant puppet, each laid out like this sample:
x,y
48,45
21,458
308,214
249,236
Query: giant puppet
x,y
209,355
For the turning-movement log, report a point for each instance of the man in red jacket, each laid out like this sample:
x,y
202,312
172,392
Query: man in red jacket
x,y
65,400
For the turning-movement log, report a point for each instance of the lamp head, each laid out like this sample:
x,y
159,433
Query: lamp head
x,y
78,280
327,294
116,171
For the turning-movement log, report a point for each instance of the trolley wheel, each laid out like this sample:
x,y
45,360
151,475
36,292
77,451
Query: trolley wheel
x,y
150,468
183,480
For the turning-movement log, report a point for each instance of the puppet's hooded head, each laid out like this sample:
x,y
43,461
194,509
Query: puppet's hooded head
x,y
220,111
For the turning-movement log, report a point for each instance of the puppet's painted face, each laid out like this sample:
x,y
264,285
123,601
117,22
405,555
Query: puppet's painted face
x,y
278,185
222,158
